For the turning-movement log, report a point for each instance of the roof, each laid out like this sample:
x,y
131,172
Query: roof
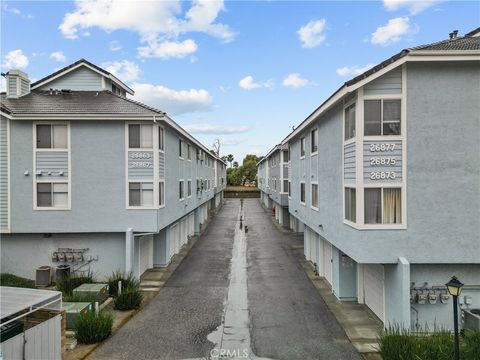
x,y
470,42
14,300
76,64
75,102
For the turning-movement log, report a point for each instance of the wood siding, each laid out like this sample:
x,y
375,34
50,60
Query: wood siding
x,y
390,83
80,79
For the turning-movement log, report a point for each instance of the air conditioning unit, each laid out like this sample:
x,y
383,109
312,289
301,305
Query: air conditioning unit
x,y
43,276
73,310
471,319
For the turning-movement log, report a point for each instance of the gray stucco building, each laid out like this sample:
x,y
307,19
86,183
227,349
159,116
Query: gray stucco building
x,y
384,181
94,179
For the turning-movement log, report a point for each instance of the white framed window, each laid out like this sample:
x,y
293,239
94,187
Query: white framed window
x,y
52,136
52,195
314,196
302,193
302,147
314,142
140,136
382,117
199,186
351,204
180,148
289,189
349,114
161,138
189,188
189,152
285,156
161,193
285,186
383,206
181,190
140,194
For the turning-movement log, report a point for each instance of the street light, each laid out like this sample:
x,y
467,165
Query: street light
x,y
454,287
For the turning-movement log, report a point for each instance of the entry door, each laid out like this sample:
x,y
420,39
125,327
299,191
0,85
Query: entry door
x,y
327,261
373,285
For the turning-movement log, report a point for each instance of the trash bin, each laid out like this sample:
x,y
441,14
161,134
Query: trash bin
x,y
43,276
62,271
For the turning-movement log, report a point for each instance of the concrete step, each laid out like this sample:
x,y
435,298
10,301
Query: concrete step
x,y
150,289
149,283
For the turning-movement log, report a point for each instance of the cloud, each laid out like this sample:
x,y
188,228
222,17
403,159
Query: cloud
x,y
174,102
15,59
353,70
413,6
312,34
115,45
58,56
158,23
17,12
393,31
124,70
215,129
229,141
248,83
294,80
168,49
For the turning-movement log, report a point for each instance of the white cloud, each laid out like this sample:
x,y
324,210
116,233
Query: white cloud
x,y
248,83
16,11
353,70
115,45
393,31
58,56
294,80
159,23
174,102
215,129
15,59
413,6
124,70
229,141
168,49
312,34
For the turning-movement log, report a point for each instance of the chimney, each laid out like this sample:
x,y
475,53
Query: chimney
x,y
453,34
18,84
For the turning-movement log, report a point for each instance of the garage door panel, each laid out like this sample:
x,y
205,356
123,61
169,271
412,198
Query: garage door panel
x,y
373,283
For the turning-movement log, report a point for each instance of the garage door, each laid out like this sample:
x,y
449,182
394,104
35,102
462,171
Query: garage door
x,y
146,253
327,261
373,284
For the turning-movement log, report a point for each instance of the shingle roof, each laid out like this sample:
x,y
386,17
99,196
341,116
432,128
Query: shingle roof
x,y
75,102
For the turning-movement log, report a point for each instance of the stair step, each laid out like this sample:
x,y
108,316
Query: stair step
x,y
151,283
149,289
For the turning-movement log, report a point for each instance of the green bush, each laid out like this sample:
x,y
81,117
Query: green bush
x,y
397,344
128,281
470,349
436,346
130,298
80,297
91,328
68,283
7,279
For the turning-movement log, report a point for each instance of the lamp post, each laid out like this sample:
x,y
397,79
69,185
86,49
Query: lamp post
x,y
454,287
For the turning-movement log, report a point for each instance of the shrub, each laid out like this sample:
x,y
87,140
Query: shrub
x,y
471,345
7,279
397,344
91,328
128,281
68,283
130,298
80,297
436,346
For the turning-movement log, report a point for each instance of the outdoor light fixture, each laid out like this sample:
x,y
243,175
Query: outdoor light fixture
x,y
454,287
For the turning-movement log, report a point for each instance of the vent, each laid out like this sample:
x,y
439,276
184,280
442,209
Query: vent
x,y
18,84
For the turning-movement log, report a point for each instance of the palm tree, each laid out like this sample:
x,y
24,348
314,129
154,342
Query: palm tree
x,y
230,159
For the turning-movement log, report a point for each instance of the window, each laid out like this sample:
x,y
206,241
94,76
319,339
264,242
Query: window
x,y
53,195
390,212
285,156
161,138
302,147
140,136
315,196
189,188
314,141
350,122
285,186
350,204
180,150
289,188
140,194
382,117
302,193
181,190
161,193
189,152
52,137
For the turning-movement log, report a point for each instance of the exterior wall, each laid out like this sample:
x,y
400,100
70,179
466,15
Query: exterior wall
x,y
80,79
4,175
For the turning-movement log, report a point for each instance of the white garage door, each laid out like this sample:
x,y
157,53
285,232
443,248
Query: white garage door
x,y
146,253
327,261
373,284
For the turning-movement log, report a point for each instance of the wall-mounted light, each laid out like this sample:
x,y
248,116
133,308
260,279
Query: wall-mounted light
x,y
26,173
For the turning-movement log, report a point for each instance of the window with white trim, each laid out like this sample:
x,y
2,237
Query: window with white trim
x,y
181,190
349,121
52,136
351,204
383,205
289,189
285,156
302,192
161,138
161,193
140,194
314,196
189,188
140,136
180,148
382,117
302,147
285,186
314,141
189,152
52,195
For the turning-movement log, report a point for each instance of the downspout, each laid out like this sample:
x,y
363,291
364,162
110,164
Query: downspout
x,y
156,215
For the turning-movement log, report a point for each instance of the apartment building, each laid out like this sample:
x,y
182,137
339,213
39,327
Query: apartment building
x,y
94,179
385,183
